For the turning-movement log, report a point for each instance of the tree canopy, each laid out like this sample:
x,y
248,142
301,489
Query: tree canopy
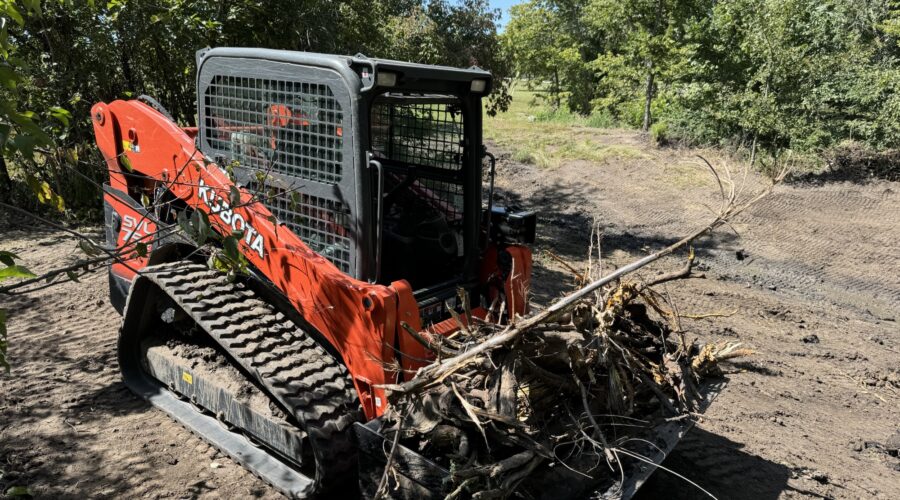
x,y
59,57
798,74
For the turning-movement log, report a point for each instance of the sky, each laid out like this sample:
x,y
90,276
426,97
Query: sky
x,y
504,6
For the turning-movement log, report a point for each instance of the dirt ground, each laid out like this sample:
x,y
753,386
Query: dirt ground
x,y
812,280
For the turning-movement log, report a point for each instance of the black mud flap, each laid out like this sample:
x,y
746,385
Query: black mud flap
x,y
417,477
118,291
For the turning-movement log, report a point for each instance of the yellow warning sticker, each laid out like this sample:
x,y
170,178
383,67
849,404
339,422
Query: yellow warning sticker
x,y
130,146
187,377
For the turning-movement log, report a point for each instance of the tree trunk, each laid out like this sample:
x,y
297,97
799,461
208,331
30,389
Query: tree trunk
x,y
648,97
5,181
556,89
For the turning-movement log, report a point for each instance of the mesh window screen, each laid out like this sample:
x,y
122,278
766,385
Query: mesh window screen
x,y
320,223
291,127
418,133
426,131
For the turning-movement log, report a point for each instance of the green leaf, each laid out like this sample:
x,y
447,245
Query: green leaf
x,y
72,276
44,193
25,143
8,258
8,77
61,114
217,263
15,272
72,155
145,201
18,491
229,169
200,222
234,196
125,162
230,243
14,13
5,129
88,249
33,6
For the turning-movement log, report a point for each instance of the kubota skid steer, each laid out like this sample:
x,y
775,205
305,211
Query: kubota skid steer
x,y
350,191
353,188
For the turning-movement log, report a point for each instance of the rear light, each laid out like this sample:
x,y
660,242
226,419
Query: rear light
x,y
339,131
478,86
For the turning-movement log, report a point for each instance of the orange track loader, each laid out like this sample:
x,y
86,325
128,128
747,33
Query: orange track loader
x,y
351,188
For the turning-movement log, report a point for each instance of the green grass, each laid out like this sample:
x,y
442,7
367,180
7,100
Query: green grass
x,y
536,134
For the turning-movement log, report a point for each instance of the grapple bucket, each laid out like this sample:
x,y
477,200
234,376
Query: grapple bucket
x,y
417,477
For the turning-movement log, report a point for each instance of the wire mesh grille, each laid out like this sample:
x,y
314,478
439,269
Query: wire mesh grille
x,y
287,126
321,224
422,131
445,197
419,133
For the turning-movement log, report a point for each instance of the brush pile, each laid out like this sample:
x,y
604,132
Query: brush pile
x,y
550,405
553,406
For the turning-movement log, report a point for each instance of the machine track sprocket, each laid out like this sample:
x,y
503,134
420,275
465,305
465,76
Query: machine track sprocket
x,y
278,356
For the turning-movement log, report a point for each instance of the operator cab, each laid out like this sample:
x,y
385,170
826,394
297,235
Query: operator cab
x,y
375,164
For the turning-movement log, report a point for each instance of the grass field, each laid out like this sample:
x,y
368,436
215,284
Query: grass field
x,y
536,134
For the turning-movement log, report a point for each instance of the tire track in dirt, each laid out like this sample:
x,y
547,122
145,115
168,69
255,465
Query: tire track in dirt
x,y
801,238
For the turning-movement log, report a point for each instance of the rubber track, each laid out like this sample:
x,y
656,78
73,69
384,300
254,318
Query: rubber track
x,y
313,386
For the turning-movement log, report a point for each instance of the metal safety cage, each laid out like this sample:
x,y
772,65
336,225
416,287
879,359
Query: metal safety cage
x,y
430,143
295,126
425,133
284,122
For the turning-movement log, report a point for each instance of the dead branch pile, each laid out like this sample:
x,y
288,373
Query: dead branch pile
x,y
559,399
556,396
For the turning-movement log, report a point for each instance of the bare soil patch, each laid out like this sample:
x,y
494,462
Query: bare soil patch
x,y
813,281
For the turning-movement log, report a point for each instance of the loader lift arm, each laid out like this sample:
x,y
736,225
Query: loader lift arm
x,y
145,151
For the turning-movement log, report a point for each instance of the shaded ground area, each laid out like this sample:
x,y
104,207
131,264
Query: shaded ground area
x,y
813,281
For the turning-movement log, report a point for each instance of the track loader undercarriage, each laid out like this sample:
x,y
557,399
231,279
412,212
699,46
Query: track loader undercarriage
x,y
262,390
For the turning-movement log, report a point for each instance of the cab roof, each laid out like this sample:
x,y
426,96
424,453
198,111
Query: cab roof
x,y
407,71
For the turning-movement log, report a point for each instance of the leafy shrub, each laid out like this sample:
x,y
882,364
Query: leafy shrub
x,y
659,133
556,116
